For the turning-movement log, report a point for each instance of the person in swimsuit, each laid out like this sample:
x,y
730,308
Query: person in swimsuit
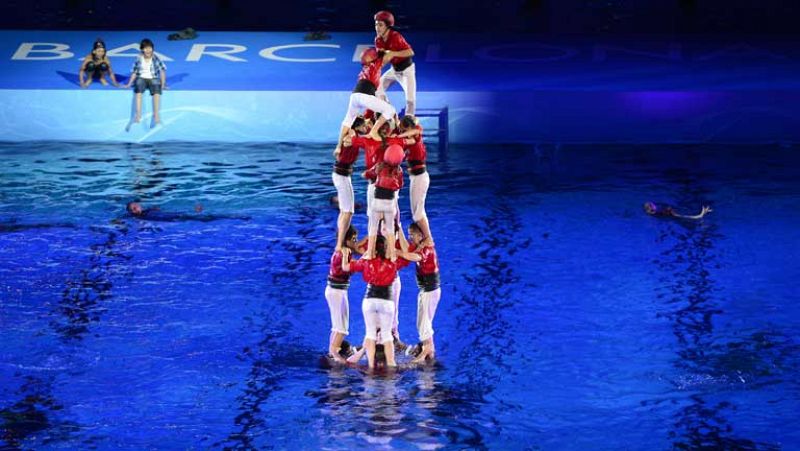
x,y
668,211
95,66
136,210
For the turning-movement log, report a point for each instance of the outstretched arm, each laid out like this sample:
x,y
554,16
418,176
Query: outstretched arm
x,y
705,210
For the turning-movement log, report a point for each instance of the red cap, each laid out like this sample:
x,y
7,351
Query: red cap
x,y
386,17
369,55
393,155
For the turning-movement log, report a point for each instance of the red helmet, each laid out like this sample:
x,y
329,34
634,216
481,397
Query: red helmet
x,y
385,17
393,155
368,55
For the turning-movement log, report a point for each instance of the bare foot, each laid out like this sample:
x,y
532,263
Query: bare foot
x,y
399,346
424,355
337,358
138,118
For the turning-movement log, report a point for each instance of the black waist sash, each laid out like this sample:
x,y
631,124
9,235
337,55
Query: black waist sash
x,y
428,282
383,193
344,169
340,283
365,87
403,65
377,291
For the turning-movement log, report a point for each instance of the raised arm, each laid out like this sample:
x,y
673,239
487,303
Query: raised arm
x,y
345,259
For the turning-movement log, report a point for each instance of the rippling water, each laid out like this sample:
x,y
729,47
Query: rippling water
x,y
569,318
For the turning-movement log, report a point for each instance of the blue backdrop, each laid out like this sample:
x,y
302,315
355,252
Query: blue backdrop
x,y
234,86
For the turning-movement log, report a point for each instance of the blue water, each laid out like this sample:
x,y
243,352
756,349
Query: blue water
x,y
569,319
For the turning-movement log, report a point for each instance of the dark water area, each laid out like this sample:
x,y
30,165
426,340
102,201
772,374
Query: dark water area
x,y
569,318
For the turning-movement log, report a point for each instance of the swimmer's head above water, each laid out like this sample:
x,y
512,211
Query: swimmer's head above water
x,y
134,208
650,207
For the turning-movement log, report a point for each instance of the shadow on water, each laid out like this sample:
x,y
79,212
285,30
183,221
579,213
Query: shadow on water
x,y
275,354
489,290
83,299
687,289
29,418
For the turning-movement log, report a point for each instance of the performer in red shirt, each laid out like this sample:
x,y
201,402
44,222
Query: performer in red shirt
x,y
398,53
429,290
336,294
419,180
363,96
373,153
342,170
388,176
377,306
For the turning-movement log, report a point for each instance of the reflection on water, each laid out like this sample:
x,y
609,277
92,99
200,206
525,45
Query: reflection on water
x,y
688,291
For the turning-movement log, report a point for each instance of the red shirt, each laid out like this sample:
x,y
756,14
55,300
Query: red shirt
x,y
394,42
348,155
372,72
429,263
416,151
388,177
335,273
373,150
378,271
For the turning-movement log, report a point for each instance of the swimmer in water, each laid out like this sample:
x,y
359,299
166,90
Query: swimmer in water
x,y
136,210
667,211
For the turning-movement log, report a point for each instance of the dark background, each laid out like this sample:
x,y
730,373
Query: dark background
x,y
747,17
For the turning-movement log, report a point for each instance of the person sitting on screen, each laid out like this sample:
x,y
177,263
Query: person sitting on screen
x,y
95,66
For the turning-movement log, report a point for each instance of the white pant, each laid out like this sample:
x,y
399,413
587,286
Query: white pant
x,y
407,80
396,287
427,301
418,186
378,314
344,191
360,102
384,209
371,199
340,309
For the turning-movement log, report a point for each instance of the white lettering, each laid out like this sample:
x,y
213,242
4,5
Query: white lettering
x,y
270,53
198,50
673,52
488,53
55,51
122,51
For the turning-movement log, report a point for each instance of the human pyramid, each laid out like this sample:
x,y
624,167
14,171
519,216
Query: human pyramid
x,y
371,124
